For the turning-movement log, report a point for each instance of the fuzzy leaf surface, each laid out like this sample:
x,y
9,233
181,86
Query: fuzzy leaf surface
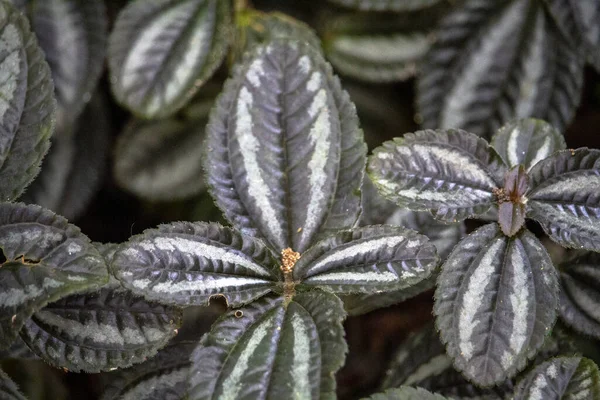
x,y
407,393
27,107
496,302
285,156
561,378
187,263
267,350
452,173
564,197
386,5
9,389
495,61
161,51
46,259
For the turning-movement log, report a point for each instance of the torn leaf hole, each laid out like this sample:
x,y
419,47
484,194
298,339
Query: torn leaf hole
x,y
238,313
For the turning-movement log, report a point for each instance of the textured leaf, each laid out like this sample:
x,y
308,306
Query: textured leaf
x,y
386,5
46,259
8,389
561,378
511,210
74,167
18,350
496,301
495,61
370,260
187,263
161,51
527,142
565,198
285,156
452,173
27,104
164,376
73,35
407,393
272,350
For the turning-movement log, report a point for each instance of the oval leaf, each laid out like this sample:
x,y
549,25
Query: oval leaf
x,y
561,378
46,259
527,142
495,302
407,393
272,349
387,5
565,198
27,104
453,173
161,51
9,389
495,61
187,263
367,260
285,156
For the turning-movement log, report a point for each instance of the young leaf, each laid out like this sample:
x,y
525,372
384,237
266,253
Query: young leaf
x,y
46,259
27,104
495,302
367,260
565,198
9,389
161,51
511,210
272,349
453,173
495,61
285,156
386,5
527,142
407,393
187,263
561,378
73,35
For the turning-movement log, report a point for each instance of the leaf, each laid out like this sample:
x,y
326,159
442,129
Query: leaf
x,y
495,302
272,349
27,104
9,389
386,5
370,260
74,167
73,35
285,156
46,259
407,393
511,210
164,376
495,61
18,350
187,263
452,173
565,199
561,378
161,52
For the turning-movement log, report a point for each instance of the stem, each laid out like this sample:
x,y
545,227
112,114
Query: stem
x,y
241,5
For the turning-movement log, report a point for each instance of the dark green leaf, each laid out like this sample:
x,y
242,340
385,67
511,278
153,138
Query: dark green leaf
x,y
561,378
495,303
527,142
27,104
407,393
187,263
8,389
46,259
18,350
369,260
564,197
272,349
285,156
495,61
386,5
161,51
453,173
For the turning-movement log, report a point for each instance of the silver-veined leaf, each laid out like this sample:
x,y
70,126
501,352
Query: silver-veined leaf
x,y
9,389
161,51
561,378
100,331
496,302
187,263
27,105
527,142
46,259
387,5
73,169
73,35
495,61
164,376
453,173
407,393
369,260
285,156
272,349
564,197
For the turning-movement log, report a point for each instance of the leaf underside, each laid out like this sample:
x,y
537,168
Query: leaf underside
x,y
496,302
9,389
386,5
